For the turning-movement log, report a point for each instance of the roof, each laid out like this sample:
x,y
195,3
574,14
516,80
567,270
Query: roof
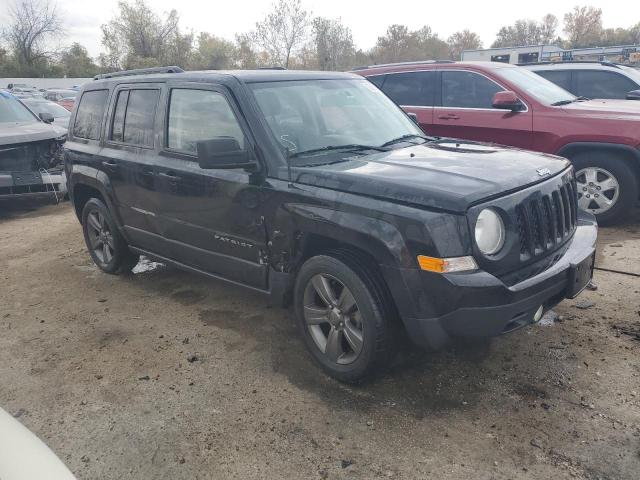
x,y
245,76
412,66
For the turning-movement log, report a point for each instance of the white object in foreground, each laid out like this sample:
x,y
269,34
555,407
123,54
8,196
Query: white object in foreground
x,y
23,456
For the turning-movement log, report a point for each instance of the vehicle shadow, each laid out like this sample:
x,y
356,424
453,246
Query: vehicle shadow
x,y
419,383
20,207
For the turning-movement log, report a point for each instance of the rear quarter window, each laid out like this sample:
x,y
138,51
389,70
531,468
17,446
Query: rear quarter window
x,y
88,120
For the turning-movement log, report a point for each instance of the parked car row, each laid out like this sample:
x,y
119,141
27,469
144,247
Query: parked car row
x,y
30,150
510,105
63,97
316,190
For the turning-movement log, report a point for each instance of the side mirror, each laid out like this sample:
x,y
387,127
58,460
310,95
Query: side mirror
x,y
222,152
413,117
633,95
507,100
46,117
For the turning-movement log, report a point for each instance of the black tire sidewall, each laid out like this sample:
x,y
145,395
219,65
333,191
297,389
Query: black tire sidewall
x,y
374,325
624,175
121,255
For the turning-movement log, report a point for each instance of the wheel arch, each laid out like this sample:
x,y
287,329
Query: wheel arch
x,y
626,152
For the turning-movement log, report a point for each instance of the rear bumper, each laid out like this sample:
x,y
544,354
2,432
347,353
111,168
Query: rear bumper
x,y
51,183
479,304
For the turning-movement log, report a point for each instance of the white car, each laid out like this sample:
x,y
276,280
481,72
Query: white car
x,y
23,456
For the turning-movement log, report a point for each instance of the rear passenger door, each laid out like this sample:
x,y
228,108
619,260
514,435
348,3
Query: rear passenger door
x,y
128,159
211,218
466,111
415,92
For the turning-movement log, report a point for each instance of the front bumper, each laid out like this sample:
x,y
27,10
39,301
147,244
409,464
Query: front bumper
x,y
479,304
45,183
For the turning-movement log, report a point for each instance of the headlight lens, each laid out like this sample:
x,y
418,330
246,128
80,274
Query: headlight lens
x,y
489,232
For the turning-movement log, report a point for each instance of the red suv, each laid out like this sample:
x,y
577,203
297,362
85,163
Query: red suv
x,y
509,105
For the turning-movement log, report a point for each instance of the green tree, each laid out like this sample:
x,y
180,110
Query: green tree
x,y
463,40
283,32
138,37
333,44
583,26
76,62
213,53
401,44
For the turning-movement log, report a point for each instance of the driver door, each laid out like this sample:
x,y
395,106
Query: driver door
x,y
466,111
210,218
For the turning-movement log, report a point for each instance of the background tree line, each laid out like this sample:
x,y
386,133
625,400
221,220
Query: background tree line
x,y
289,36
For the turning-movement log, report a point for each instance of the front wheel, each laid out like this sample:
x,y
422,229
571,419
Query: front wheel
x,y
345,316
607,186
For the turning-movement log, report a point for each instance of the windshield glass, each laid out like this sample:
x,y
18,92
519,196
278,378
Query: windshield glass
x,y
12,111
632,72
47,107
541,89
314,114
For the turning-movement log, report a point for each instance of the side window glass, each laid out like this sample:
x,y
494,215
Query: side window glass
x,y
139,117
562,78
413,88
467,90
599,84
196,115
117,125
89,115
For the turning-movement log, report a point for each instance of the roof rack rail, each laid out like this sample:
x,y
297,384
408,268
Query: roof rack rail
x,y
139,71
275,67
560,62
398,64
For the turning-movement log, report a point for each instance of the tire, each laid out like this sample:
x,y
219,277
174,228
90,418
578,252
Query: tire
x,y
592,171
372,316
107,247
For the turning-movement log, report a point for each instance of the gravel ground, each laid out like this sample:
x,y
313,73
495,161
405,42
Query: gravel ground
x,y
168,375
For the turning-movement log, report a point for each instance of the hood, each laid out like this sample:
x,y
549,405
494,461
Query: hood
x,y
447,175
11,133
622,109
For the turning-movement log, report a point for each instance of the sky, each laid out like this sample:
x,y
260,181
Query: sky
x,y
367,19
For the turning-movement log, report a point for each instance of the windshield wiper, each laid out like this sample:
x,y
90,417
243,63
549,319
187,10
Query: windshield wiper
x,y
567,102
329,148
405,137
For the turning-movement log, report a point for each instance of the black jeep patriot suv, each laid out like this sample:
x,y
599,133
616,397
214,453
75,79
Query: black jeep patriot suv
x,y
317,190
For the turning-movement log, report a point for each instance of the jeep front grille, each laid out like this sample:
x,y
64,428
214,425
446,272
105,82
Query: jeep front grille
x,y
547,221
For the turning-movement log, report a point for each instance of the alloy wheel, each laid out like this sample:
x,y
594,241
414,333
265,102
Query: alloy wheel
x,y
333,319
100,237
598,189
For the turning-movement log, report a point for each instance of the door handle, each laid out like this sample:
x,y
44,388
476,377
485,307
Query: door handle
x,y
449,116
110,164
170,176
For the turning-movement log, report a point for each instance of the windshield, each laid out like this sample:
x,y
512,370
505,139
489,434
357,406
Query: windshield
x,y
48,107
632,72
12,111
541,89
309,115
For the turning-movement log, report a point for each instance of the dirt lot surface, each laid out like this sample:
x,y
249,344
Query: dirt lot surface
x,y
103,369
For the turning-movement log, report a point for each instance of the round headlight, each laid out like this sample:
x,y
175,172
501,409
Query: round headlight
x,y
489,232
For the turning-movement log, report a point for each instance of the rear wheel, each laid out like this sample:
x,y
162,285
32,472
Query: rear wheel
x,y
345,316
107,247
607,186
